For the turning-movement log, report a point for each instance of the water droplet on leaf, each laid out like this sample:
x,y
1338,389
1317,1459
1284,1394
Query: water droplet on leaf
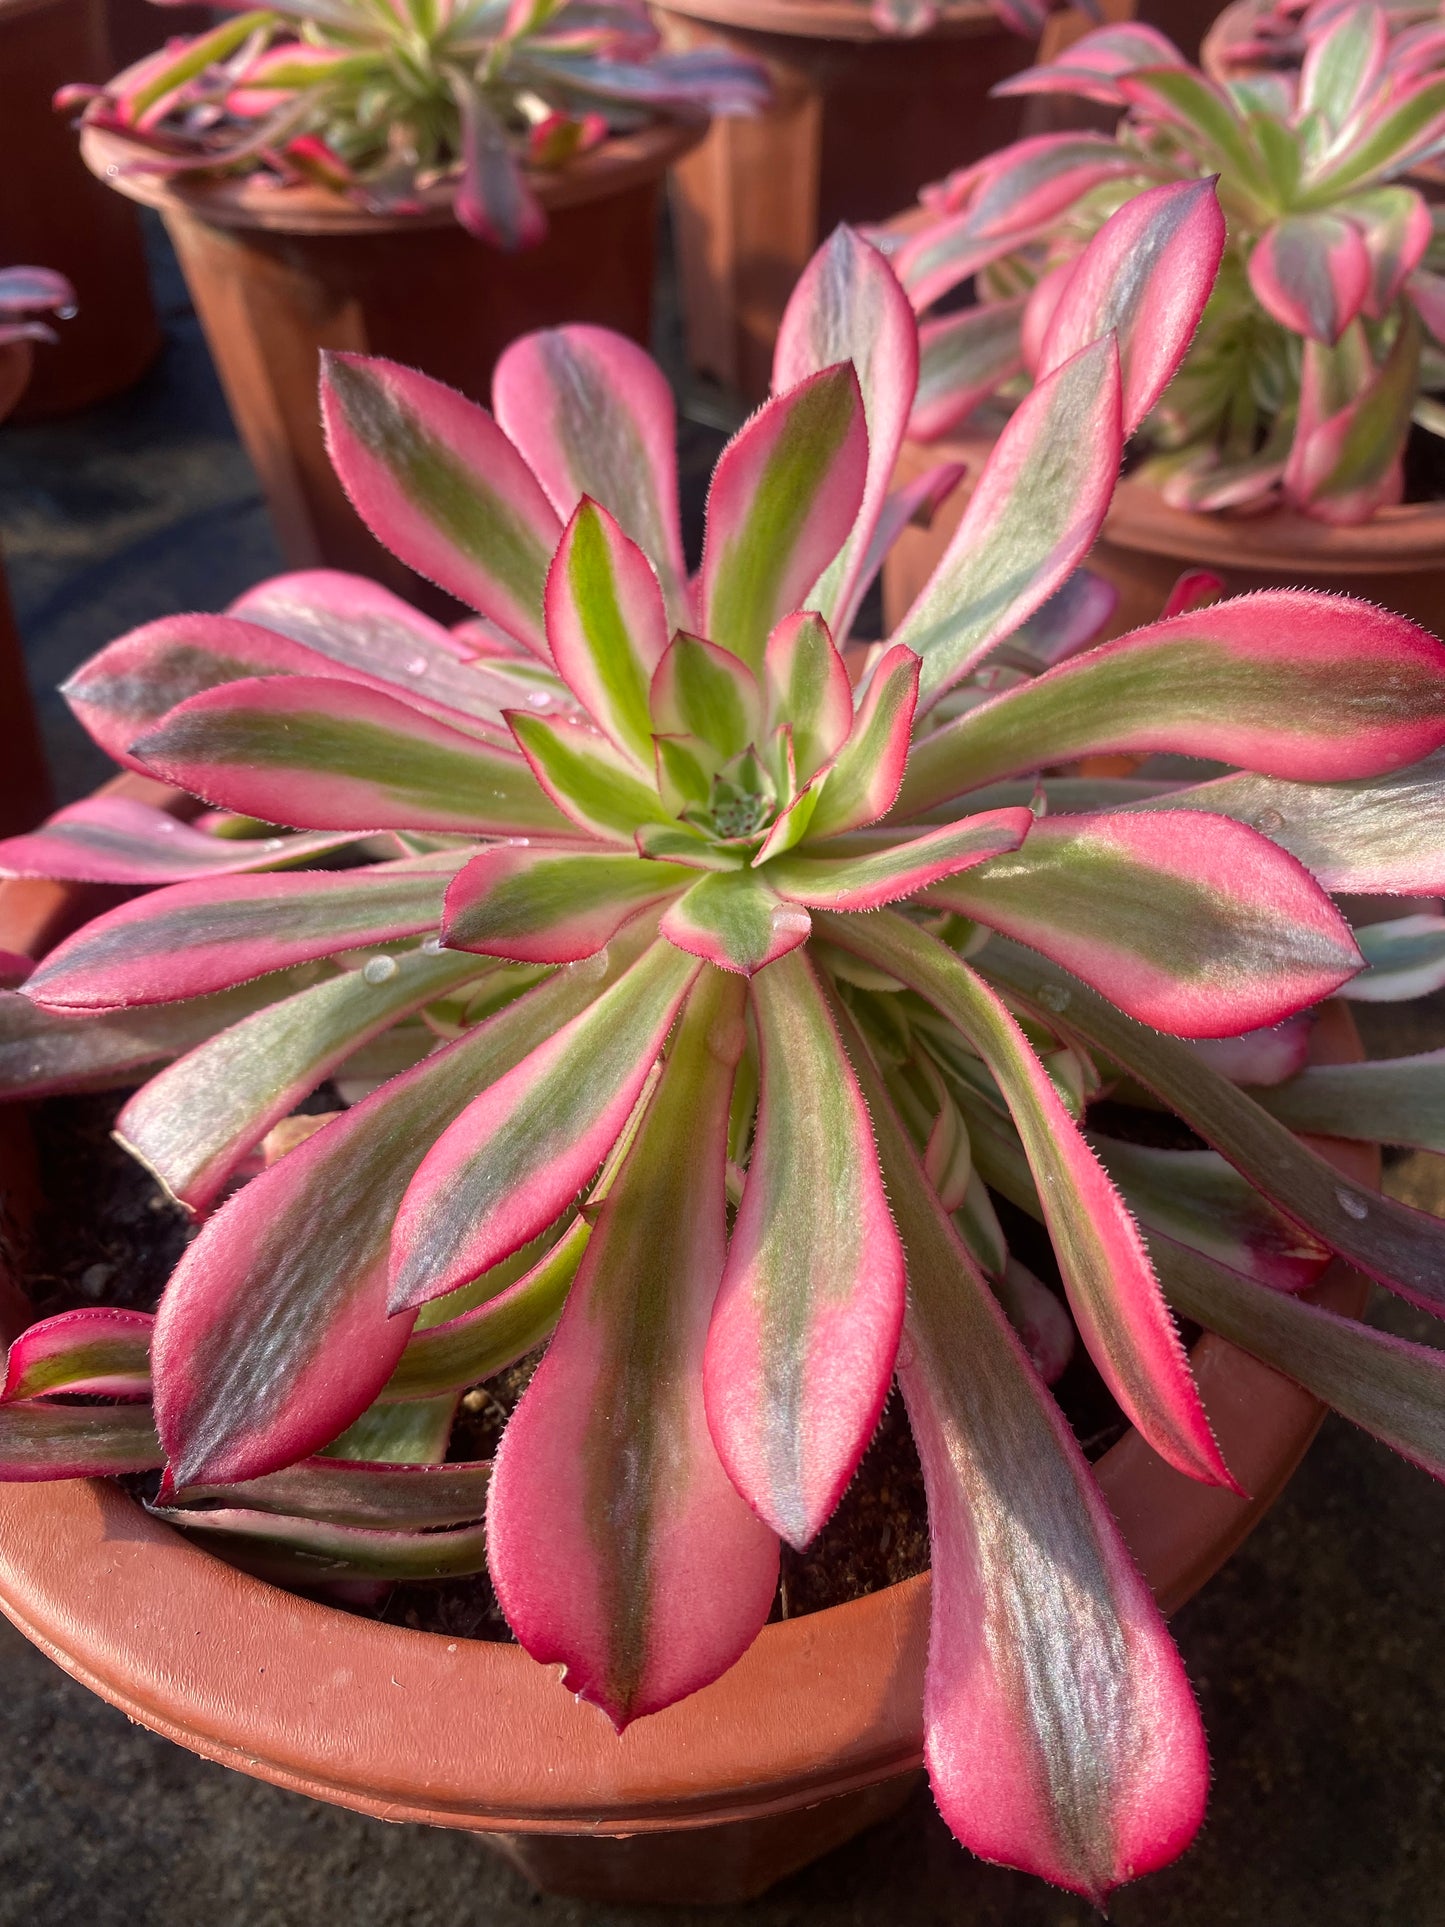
x,y
1269,821
416,666
1055,997
433,945
1351,1203
379,970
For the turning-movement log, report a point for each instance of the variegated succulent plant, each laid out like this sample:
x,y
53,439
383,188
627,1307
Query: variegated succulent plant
x,y
394,102
706,986
1321,343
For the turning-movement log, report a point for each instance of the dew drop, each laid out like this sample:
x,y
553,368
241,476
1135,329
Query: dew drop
x,y
538,699
1352,1204
1269,821
431,946
67,313
1055,997
416,666
379,970
589,968
166,827
274,843
112,171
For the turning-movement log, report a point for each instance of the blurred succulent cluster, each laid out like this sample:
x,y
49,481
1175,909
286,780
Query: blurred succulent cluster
x,y
402,103
1320,346
703,991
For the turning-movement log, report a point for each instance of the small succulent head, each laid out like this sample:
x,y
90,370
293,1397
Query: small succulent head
x,y
1321,343
710,980
392,105
28,297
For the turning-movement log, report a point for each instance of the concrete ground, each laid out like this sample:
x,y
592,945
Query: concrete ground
x,y
1316,1653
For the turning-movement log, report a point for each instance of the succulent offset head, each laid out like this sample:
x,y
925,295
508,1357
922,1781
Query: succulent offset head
x,y
1322,342
611,947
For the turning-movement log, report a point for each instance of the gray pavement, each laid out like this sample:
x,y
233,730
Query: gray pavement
x,y
1316,1653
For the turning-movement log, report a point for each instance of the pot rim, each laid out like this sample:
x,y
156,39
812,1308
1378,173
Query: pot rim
x,y
831,19
247,201
463,1733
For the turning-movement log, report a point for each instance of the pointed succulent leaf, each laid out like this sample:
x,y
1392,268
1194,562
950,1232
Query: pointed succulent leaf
x,y
1393,1389
494,200
1343,61
1401,1247
541,906
42,1440
1312,273
784,497
1286,682
1197,1199
1202,928
618,1546
273,1334
1377,835
394,1498
1343,466
193,938
808,690
114,839
438,483
867,771
1090,67
45,1052
1185,98
134,681
334,755
1060,1733
1388,142
194,1122
705,692
1044,1326
1404,957
801,1347
1032,518
1146,275
362,626
593,415
1113,1293
98,1350
1013,200
1395,1100
607,626
597,787
963,359
848,307
519,1153
735,920
916,863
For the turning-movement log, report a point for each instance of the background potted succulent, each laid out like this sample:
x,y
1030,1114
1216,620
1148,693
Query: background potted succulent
x,y
52,211
625,828
426,183
1298,442
868,103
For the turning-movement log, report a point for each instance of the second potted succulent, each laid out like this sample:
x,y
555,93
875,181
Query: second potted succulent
x,y
427,183
1298,442
808,992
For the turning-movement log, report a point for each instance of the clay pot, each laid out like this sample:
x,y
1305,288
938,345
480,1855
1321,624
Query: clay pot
x,y
813,1735
278,274
53,214
859,122
1396,558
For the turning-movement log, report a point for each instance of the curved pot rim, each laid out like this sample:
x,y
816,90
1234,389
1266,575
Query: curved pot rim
x,y
466,1733
830,19
247,201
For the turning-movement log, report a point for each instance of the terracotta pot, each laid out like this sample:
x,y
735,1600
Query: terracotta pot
x,y
1396,558
25,786
813,1735
53,214
278,274
859,122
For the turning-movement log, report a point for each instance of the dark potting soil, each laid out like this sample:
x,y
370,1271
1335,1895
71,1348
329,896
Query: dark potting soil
x,y
106,1234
